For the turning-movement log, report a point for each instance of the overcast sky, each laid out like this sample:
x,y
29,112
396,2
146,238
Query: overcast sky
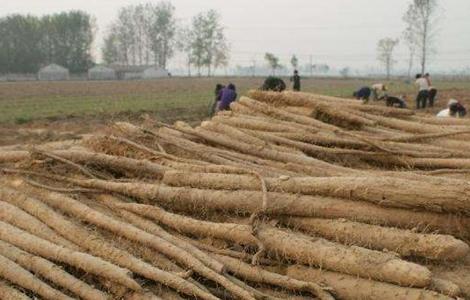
x,y
338,32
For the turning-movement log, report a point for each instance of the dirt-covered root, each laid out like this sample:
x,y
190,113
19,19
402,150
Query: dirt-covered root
x,y
276,113
320,110
84,261
16,274
51,272
236,233
315,165
403,242
307,250
257,123
7,292
85,213
259,275
349,260
422,137
445,287
248,202
21,219
96,245
385,191
151,227
13,156
354,288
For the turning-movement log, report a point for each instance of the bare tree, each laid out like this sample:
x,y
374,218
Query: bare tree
x,y
385,49
273,62
421,23
410,43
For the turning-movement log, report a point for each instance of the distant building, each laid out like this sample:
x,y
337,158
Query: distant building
x,y
128,72
154,73
101,73
53,72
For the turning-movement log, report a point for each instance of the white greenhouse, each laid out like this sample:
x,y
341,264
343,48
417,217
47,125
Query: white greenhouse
x,y
53,72
101,73
154,72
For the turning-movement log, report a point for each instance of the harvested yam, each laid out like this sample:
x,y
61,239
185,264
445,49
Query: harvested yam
x,y
353,288
13,156
21,219
403,242
8,292
99,247
307,250
88,263
51,272
248,202
83,212
445,287
386,191
321,110
316,166
14,273
284,115
257,274
353,260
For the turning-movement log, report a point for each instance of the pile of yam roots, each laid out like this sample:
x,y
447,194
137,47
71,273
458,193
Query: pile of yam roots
x,y
287,196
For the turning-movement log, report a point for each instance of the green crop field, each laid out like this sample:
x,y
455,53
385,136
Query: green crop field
x,y
187,98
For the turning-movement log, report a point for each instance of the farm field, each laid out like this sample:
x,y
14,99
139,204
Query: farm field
x,y
81,106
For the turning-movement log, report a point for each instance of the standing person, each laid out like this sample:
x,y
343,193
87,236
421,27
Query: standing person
x,y
296,80
378,90
218,96
228,95
432,90
363,94
423,94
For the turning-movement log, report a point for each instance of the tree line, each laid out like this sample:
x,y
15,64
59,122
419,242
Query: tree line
x,y
145,34
28,42
149,34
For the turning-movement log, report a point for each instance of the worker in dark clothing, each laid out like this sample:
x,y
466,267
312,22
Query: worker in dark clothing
x,y
218,95
392,101
296,80
432,96
228,95
363,94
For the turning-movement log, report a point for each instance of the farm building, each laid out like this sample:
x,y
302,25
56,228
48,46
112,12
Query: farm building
x,y
155,72
101,73
128,72
53,72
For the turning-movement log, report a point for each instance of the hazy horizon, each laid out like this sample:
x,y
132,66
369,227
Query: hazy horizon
x,y
336,32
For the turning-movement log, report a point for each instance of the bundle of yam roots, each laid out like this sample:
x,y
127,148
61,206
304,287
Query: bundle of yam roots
x,y
287,196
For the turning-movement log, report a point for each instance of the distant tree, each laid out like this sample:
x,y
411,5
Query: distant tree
x,y
209,44
385,48
320,68
420,32
184,44
410,43
142,34
345,72
294,61
273,62
27,42
162,32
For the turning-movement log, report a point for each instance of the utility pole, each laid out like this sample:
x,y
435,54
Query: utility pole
x,y
254,68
